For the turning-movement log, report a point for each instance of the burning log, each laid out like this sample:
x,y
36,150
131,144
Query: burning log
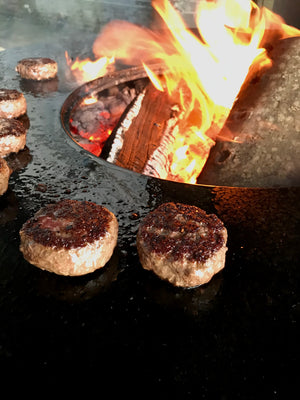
x,y
265,125
153,138
145,134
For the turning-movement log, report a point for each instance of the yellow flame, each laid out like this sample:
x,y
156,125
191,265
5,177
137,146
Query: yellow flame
x,y
87,70
204,70
154,78
89,100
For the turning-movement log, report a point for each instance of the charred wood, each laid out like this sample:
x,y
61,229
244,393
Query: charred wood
x,y
144,135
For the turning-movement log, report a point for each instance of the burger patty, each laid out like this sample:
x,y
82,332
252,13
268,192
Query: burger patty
x,y
38,68
70,237
12,136
182,244
12,103
4,176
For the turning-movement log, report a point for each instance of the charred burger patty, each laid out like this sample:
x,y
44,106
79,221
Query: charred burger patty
x,y
38,68
12,103
182,244
70,237
12,136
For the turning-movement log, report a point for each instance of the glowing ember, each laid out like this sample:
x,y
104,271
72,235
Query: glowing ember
x,y
94,142
204,71
89,100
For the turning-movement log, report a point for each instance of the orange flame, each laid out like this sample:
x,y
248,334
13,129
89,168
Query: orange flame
x,y
87,101
154,78
204,71
87,70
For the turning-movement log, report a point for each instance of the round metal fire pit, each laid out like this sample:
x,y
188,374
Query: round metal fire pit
x,y
263,123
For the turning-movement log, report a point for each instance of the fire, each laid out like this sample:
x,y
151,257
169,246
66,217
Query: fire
x,y
204,70
87,70
94,142
154,78
87,101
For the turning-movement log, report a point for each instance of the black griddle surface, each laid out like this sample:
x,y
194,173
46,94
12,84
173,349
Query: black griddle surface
x,y
121,326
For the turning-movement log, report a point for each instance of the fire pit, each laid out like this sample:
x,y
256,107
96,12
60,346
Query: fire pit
x,y
92,116
176,124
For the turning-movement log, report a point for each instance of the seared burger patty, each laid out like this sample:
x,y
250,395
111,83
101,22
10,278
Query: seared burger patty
x,y
4,175
12,136
182,244
70,237
38,68
12,103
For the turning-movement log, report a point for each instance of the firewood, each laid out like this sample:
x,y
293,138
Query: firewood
x,y
144,135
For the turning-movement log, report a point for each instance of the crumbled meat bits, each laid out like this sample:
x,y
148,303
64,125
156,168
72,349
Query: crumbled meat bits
x,y
70,237
182,244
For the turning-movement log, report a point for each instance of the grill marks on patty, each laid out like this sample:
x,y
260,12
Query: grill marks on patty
x,y
68,224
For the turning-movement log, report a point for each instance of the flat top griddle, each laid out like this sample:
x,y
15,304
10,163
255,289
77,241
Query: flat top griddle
x,y
232,338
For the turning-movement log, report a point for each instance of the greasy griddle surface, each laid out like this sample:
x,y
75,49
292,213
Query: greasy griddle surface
x,y
232,338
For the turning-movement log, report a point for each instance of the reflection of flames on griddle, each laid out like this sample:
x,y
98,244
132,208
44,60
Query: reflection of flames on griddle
x,y
204,72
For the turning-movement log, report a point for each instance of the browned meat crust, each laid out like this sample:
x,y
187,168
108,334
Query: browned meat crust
x,y
70,237
12,136
182,244
12,103
4,175
38,68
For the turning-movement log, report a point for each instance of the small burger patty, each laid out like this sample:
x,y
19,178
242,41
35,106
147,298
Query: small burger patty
x,y
12,103
38,68
12,136
70,237
4,175
182,244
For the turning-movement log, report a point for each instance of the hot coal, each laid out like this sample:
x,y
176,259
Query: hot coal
x,y
92,123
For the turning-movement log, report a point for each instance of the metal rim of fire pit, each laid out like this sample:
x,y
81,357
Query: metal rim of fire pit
x,y
97,86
